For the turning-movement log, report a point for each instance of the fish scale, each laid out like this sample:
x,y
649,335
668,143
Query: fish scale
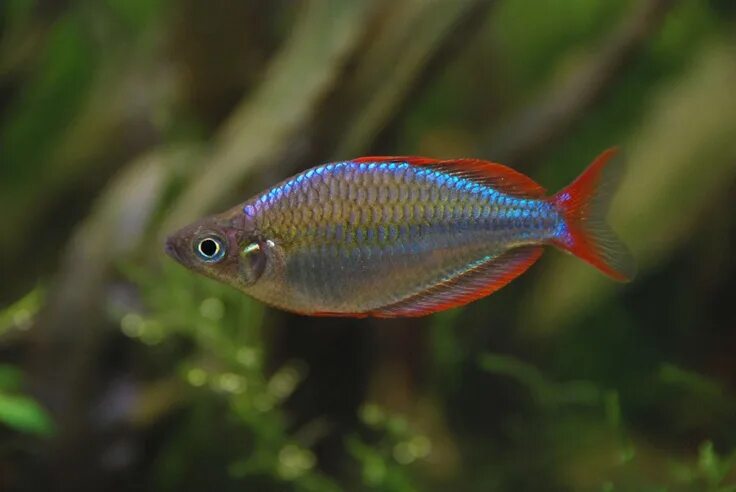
x,y
401,236
438,230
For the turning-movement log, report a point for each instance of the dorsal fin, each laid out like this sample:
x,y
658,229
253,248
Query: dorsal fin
x,y
497,176
473,284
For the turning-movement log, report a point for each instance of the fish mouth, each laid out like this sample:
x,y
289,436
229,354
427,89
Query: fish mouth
x,y
172,250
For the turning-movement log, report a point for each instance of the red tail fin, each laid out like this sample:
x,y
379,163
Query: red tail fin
x,y
584,205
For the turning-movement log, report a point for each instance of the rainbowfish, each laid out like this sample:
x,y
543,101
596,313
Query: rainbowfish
x,y
401,236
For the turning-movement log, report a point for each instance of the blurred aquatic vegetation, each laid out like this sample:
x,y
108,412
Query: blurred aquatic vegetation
x,y
384,462
17,411
120,120
611,445
221,376
545,393
19,316
691,122
218,344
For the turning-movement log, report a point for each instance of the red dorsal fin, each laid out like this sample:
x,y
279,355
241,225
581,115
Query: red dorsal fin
x,y
497,176
473,284
414,160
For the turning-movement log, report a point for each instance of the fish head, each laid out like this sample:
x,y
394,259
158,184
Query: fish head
x,y
229,247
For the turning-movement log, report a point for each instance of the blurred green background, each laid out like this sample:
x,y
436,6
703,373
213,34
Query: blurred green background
x,y
123,119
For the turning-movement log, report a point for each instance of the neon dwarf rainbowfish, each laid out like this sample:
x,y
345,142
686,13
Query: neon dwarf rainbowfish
x,y
401,236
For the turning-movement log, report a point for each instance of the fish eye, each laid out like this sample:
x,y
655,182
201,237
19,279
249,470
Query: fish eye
x,y
210,249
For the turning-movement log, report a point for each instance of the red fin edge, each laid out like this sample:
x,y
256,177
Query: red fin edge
x,y
474,284
498,176
414,160
584,205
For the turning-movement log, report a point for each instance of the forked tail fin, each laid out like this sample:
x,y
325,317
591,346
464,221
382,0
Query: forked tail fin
x,y
584,205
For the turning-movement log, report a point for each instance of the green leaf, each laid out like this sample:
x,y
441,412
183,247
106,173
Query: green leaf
x,y
690,380
18,12
21,313
10,377
25,415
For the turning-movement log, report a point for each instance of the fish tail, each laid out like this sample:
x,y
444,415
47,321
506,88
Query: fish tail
x,y
584,205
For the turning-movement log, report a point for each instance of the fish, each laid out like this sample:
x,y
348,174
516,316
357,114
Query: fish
x,y
402,236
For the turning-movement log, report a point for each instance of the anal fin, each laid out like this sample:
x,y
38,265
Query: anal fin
x,y
469,286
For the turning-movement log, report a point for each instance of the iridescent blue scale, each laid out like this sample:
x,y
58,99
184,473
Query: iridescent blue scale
x,y
391,223
403,236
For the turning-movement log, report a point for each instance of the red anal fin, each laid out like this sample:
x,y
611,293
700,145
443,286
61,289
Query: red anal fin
x,y
470,286
497,176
